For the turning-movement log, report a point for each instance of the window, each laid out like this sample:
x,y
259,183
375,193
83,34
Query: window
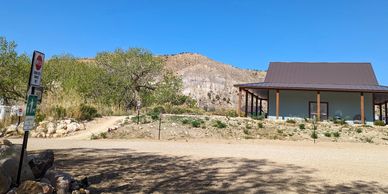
x,y
324,110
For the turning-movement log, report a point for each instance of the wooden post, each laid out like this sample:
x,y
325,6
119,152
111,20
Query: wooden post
x,y
252,96
246,103
239,102
386,113
277,103
318,106
261,106
257,106
362,108
381,111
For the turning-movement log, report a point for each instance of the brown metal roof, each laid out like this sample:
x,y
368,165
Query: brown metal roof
x,y
321,87
321,73
350,77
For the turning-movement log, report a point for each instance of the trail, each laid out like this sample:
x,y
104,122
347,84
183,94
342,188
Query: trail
x,y
95,127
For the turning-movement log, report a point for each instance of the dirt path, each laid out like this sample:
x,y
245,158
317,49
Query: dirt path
x,y
128,166
96,126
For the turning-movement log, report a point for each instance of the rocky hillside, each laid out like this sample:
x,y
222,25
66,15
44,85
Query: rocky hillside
x,y
208,81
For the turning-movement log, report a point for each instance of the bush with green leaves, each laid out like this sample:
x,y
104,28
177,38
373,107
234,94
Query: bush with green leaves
x,y
336,134
302,126
260,125
197,123
259,117
219,124
59,112
185,121
314,135
340,121
88,112
379,123
327,134
291,121
246,131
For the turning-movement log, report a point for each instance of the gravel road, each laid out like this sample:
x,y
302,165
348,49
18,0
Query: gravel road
x,y
122,166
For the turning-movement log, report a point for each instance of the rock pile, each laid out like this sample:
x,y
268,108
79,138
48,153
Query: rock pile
x,y
38,175
46,129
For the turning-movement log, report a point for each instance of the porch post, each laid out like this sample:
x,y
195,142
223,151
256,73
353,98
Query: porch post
x,y
246,103
277,103
381,111
257,104
239,102
386,113
252,96
362,108
261,106
318,106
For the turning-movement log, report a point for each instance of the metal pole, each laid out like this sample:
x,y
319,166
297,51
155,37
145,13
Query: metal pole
x,y
24,147
138,116
160,124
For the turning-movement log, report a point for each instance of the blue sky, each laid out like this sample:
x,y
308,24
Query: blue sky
x,y
243,33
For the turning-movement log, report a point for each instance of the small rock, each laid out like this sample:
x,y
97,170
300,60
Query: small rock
x,y
5,142
28,187
11,129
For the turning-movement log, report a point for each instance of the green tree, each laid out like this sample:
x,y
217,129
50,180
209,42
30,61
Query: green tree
x,y
131,74
14,71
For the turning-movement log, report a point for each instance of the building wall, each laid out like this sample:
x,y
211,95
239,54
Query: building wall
x,y
344,104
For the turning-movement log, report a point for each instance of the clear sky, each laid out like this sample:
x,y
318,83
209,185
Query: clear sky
x,y
243,33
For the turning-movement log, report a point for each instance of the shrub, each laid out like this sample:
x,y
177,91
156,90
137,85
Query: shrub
x,y
260,125
369,139
39,116
379,123
258,117
314,135
103,135
154,115
219,124
196,123
59,112
231,113
327,134
339,121
93,137
246,131
141,118
359,130
336,134
291,121
88,112
207,118
185,121
247,126
302,126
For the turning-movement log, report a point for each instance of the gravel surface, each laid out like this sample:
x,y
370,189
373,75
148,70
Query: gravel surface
x,y
249,166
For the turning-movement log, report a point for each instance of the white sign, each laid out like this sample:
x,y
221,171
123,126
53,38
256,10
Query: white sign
x,y
28,123
19,112
36,69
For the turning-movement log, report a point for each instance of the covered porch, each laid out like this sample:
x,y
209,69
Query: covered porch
x,y
282,103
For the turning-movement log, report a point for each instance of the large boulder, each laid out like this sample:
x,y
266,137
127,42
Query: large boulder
x,y
41,162
72,127
5,183
9,163
30,187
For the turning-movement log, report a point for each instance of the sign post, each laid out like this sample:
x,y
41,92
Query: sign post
x,y
32,100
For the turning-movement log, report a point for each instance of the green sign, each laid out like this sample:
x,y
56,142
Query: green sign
x,y
31,105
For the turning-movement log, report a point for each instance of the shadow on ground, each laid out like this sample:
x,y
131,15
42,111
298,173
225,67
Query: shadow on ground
x,y
125,171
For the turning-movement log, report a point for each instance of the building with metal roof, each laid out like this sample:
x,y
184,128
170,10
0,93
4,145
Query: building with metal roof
x,y
348,91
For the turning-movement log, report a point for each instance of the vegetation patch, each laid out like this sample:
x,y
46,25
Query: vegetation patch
x,y
219,124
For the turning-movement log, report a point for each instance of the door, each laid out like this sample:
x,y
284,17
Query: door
x,y
324,110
